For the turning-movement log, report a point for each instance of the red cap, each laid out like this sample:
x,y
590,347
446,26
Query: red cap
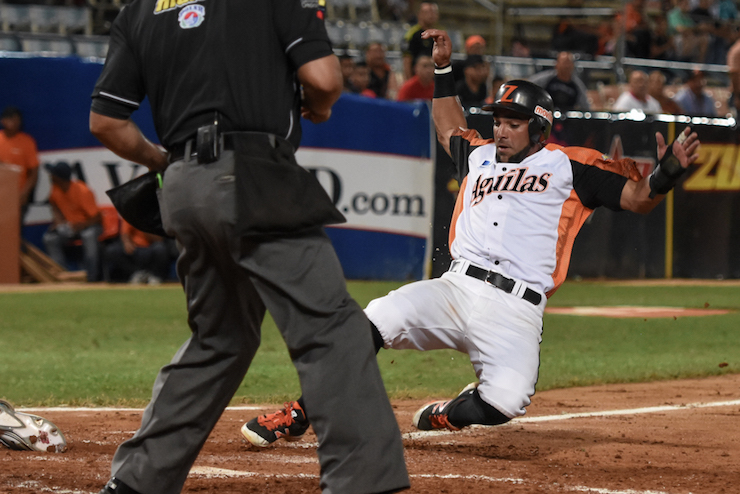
x,y
476,38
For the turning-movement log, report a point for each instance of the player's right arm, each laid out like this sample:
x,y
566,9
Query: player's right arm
x,y
446,111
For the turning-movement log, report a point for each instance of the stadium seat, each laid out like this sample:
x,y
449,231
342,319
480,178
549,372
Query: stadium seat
x,y
9,42
44,18
90,46
74,20
49,44
15,17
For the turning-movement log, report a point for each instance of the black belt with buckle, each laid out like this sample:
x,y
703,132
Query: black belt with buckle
x,y
227,142
502,282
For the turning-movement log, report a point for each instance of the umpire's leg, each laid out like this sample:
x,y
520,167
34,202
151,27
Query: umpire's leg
x,y
302,284
225,314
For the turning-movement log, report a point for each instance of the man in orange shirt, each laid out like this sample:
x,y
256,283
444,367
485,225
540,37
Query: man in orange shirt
x,y
138,257
75,216
19,148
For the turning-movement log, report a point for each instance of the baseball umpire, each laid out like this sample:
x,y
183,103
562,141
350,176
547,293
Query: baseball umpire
x,y
228,81
520,206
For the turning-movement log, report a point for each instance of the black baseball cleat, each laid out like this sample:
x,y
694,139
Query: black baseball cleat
x,y
290,424
115,486
435,415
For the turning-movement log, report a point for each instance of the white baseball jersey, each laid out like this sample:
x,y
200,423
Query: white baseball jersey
x,y
519,219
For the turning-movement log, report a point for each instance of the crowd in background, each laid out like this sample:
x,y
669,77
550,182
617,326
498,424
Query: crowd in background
x,y
695,31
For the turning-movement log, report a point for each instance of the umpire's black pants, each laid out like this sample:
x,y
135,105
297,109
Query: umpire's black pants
x,y
229,282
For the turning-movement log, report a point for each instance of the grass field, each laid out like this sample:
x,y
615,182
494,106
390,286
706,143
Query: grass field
x,y
105,346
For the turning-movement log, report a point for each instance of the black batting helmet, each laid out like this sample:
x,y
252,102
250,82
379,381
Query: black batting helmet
x,y
531,101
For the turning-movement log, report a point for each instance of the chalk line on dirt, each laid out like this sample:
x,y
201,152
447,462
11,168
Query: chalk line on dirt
x,y
212,472
566,416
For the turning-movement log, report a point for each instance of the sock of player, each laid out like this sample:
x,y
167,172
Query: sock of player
x,y
377,342
474,410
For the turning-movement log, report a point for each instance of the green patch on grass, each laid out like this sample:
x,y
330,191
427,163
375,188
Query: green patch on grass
x,y
105,347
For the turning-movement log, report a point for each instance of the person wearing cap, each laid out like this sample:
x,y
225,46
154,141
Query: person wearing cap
x,y
472,90
474,45
421,85
567,90
18,148
75,216
414,44
693,99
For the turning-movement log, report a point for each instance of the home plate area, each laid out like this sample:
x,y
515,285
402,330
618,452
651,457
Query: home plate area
x,y
653,438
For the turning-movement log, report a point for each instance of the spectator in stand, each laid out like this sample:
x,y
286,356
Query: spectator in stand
x,y
18,148
569,37
636,29
567,90
662,46
472,90
707,22
691,43
474,45
656,89
137,257
75,216
636,96
414,45
382,79
421,85
692,97
360,80
347,64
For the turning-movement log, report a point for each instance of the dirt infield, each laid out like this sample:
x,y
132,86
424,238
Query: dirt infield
x,y
666,437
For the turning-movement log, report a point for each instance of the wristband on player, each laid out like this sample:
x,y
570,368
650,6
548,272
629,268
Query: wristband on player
x,y
668,171
444,82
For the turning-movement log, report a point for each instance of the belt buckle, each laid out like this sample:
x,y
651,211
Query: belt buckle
x,y
487,280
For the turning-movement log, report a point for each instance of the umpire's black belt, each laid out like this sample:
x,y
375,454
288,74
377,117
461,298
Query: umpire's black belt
x,y
496,279
187,149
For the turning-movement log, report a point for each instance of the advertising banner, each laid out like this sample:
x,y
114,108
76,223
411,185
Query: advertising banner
x,y
374,158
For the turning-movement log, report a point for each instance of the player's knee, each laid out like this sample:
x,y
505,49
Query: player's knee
x,y
508,402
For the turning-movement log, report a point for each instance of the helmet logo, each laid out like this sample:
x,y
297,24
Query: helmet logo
x,y
509,88
544,113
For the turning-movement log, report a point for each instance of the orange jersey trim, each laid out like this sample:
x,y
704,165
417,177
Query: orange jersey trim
x,y
459,202
574,213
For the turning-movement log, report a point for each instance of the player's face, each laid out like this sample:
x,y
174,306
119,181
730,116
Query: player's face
x,y
511,135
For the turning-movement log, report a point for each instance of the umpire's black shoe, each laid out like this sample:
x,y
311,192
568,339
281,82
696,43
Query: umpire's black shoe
x,y
115,486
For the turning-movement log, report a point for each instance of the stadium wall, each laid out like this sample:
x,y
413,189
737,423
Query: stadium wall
x,y
374,159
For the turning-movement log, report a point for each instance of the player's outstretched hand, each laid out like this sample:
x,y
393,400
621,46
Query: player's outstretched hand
x,y
442,50
685,146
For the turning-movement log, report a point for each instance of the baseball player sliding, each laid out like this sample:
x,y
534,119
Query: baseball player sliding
x,y
520,206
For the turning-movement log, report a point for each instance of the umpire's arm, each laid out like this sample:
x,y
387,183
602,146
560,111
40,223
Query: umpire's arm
x,y
322,85
125,139
446,111
636,195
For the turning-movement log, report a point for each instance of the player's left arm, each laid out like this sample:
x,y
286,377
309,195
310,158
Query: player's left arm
x,y
644,195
